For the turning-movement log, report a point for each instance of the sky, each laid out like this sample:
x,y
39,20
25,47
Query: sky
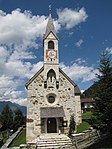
x,y
84,30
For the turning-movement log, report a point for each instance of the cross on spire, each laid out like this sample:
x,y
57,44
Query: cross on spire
x,y
49,9
50,26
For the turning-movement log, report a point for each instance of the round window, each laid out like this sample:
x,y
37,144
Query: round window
x,y
51,99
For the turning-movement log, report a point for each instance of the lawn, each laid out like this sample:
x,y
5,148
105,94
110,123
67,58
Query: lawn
x,y
20,139
87,115
83,126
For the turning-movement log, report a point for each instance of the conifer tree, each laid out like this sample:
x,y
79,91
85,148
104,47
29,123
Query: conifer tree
x,y
72,125
19,119
6,117
103,107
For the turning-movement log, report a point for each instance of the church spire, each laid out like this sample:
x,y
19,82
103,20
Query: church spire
x,y
50,26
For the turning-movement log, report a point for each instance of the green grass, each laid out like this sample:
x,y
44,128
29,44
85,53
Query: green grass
x,y
87,115
83,126
20,139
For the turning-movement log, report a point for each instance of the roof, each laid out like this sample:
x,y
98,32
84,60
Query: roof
x,y
87,100
46,112
50,28
77,90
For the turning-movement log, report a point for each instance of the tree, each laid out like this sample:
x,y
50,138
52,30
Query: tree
x,y
103,108
72,125
19,119
91,91
6,118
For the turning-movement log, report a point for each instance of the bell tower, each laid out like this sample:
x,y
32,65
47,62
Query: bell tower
x,y
50,41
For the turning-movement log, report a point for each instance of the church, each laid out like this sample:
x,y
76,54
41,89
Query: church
x,y
52,97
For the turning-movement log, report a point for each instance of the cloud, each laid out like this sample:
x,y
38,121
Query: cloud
x,y
78,71
109,50
3,53
19,35
80,61
82,91
70,33
23,30
17,38
35,69
79,43
70,18
8,84
20,101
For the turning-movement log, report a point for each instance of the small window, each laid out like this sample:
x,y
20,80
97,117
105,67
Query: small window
x,y
57,84
50,45
45,84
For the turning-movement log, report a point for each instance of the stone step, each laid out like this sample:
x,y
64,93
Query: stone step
x,y
53,141
44,139
43,136
50,143
44,145
63,140
67,144
52,147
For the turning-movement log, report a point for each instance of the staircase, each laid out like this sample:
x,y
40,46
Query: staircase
x,y
53,141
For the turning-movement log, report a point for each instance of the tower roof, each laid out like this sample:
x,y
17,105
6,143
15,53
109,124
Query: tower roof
x,y
50,27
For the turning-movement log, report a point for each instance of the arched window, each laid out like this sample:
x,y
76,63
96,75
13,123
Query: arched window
x,y
51,74
50,45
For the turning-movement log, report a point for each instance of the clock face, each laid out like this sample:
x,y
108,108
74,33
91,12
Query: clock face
x,y
52,54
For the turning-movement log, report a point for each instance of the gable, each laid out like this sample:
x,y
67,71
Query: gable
x,y
76,88
50,35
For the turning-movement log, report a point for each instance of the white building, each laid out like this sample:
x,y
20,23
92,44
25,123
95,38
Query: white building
x,y
52,96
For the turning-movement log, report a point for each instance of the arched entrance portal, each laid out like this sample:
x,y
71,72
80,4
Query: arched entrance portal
x,y
51,125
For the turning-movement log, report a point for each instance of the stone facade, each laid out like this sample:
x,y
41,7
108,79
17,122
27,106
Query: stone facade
x,y
52,96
